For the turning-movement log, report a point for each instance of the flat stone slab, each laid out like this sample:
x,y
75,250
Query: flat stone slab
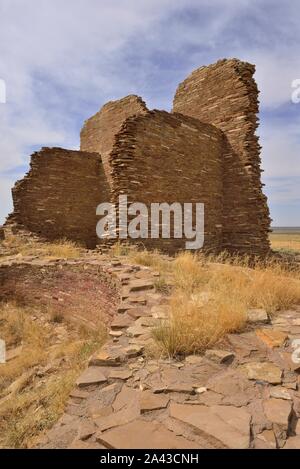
x,y
234,387
107,395
140,285
257,315
150,401
136,331
279,392
138,312
86,429
116,334
121,321
107,357
272,338
123,308
265,440
133,351
228,425
120,374
126,396
263,371
127,414
92,375
144,435
278,411
79,394
292,443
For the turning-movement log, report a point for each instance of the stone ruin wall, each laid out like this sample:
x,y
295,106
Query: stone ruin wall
x,y
98,133
225,94
59,195
205,151
160,157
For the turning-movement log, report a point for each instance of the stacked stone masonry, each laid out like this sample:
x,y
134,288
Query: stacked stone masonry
x,y
59,195
226,95
98,133
204,151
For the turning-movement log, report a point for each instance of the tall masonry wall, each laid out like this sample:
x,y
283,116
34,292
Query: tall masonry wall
x,y
225,94
205,151
98,133
59,195
159,157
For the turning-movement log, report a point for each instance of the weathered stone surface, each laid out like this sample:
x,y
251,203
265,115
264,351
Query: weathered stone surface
x,y
91,375
107,395
173,387
150,401
136,331
123,308
228,425
236,389
107,357
293,442
219,356
127,414
126,396
200,390
120,374
263,372
95,410
79,394
133,351
272,338
140,285
278,411
257,315
116,334
143,435
265,440
279,392
138,312
121,321
86,429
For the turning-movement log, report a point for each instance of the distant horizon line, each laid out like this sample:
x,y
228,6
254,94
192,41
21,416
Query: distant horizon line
x,y
286,227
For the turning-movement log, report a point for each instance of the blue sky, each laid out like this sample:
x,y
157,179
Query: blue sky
x,y
63,59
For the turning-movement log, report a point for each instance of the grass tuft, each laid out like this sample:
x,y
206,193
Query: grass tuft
x,y
212,295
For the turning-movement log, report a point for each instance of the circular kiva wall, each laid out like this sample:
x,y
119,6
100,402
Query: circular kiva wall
x,y
78,291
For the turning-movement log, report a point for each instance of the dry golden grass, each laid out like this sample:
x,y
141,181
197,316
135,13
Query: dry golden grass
x,y
120,249
212,296
31,402
60,249
285,241
152,259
